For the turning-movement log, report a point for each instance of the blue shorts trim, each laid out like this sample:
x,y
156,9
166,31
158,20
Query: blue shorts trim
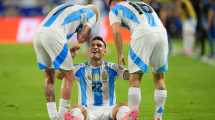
x,y
41,66
162,69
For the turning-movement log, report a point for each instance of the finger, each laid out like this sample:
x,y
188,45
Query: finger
x,y
123,61
120,62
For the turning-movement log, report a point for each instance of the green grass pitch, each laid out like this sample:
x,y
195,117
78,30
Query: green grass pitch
x,y
190,83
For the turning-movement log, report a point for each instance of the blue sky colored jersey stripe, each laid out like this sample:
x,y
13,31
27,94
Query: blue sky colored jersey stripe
x,y
112,74
83,92
53,18
83,87
127,13
77,15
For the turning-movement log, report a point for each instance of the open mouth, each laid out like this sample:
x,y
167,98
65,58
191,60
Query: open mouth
x,y
94,51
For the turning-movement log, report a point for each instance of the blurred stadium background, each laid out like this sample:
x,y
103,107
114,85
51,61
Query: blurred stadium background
x,y
190,79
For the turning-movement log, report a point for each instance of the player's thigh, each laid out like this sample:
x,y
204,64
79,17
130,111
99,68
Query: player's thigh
x,y
159,56
58,50
41,54
140,51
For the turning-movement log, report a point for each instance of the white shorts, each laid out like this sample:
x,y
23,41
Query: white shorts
x,y
150,49
100,113
52,50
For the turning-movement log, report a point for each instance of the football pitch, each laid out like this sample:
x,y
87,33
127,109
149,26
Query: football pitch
x,y
190,83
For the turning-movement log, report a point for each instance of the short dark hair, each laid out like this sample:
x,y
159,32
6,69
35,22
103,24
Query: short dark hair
x,y
100,39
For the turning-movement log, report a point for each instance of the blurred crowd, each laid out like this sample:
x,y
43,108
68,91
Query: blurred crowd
x,y
191,20
34,7
27,7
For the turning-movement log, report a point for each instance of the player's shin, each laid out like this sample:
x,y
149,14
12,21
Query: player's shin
x,y
134,99
160,99
63,107
66,93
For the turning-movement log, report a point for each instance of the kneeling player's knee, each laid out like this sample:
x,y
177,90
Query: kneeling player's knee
x,y
122,112
77,113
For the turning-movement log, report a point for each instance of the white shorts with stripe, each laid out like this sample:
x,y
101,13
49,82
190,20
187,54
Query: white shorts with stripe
x,y
51,49
150,49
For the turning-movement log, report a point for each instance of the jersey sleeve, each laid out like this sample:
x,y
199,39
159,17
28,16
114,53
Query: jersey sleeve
x,y
77,68
114,15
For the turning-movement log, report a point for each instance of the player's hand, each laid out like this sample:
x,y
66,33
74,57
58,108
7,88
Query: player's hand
x,y
121,60
60,75
126,75
74,50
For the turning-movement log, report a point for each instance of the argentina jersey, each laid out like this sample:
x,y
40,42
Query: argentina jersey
x,y
138,17
96,84
69,18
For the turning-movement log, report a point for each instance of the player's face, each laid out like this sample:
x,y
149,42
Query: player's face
x,y
97,50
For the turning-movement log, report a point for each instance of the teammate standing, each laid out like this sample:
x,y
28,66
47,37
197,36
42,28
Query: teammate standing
x,y
51,47
148,46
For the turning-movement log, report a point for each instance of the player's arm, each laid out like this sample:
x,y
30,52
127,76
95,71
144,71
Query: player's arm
x,y
118,43
60,74
84,33
123,73
115,22
82,36
74,49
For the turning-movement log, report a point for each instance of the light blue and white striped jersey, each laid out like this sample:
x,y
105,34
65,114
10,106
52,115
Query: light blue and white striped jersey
x,y
138,17
97,84
68,18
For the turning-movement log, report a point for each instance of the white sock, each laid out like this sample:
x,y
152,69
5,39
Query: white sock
x,y
134,97
77,113
123,110
52,110
63,107
160,99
